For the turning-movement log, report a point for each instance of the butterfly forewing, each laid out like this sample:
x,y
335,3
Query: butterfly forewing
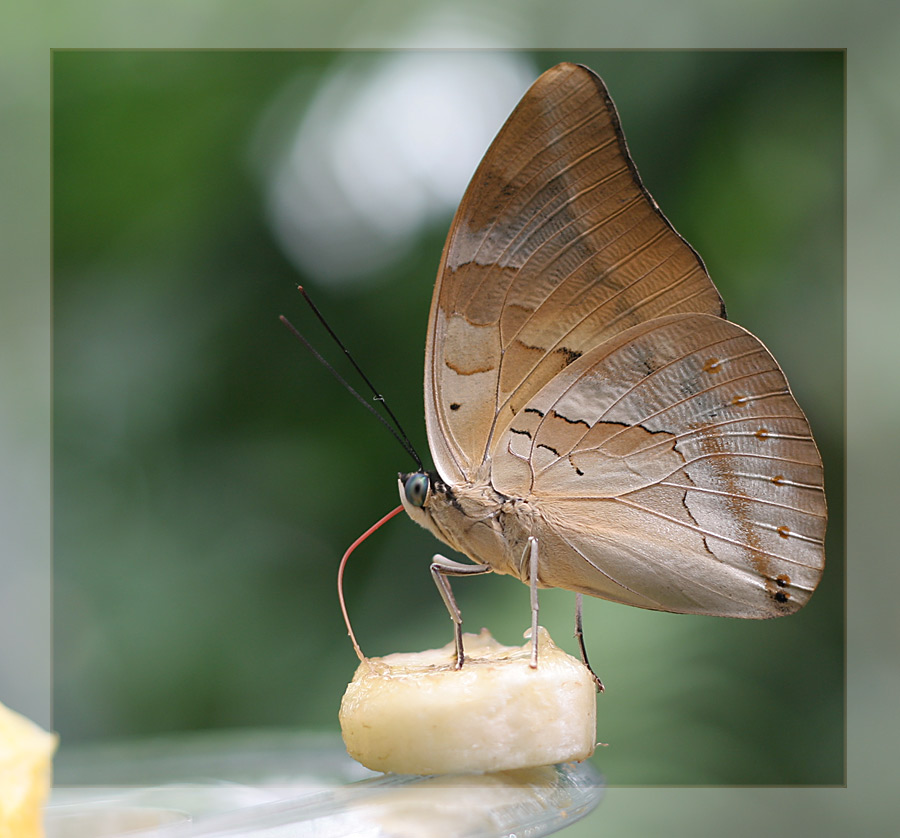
x,y
556,246
673,464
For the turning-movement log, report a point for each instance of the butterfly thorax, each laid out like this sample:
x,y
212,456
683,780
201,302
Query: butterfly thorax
x,y
476,520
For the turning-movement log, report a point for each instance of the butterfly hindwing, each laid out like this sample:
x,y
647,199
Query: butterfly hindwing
x,y
675,471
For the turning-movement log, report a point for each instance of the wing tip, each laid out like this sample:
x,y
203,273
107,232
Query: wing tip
x,y
570,70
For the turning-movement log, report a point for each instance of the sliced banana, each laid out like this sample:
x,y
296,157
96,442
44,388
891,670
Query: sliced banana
x,y
413,713
25,754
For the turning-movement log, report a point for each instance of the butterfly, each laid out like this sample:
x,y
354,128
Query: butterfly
x,y
595,421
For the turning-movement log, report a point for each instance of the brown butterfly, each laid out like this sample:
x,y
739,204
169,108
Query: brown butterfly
x,y
595,421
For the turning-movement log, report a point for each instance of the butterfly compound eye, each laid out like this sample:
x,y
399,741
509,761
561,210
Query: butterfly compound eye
x,y
416,488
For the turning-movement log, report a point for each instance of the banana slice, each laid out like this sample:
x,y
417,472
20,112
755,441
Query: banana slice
x,y
25,754
413,713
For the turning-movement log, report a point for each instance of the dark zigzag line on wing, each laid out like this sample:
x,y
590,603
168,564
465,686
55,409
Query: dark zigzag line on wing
x,y
755,398
674,284
722,383
644,301
654,210
724,453
701,429
608,109
642,382
498,405
686,399
634,386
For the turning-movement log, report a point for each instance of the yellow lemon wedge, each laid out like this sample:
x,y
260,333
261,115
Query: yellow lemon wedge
x,y
25,754
414,713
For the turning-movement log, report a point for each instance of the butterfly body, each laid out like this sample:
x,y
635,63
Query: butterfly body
x,y
595,421
476,520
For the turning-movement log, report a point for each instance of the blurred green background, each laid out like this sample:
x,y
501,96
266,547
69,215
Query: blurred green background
x,y
208,474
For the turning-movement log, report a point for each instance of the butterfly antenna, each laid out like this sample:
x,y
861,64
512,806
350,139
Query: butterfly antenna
x,y
403,440
375,393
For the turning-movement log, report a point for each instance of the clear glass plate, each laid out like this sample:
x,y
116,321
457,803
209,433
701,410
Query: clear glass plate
x,y
274,784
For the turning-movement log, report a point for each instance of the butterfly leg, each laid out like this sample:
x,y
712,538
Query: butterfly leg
x,y
441,569
579,636
533,577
